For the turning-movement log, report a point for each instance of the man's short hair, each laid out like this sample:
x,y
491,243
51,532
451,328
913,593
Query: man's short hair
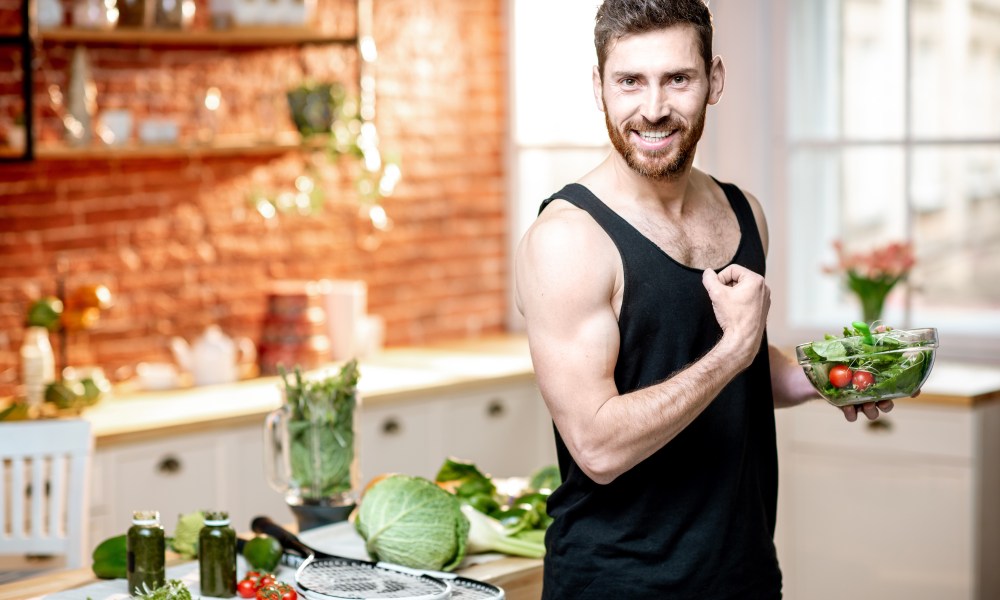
x,y
619,18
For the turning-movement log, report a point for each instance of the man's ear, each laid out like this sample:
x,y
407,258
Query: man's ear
x,y
598,88
717,80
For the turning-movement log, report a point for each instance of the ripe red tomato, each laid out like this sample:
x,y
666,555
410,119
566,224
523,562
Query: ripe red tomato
x,y
247,588
277,591
840,376
862,380
268,592
265,579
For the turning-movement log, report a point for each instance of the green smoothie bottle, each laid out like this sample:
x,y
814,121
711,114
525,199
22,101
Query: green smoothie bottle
x,y
145,547
217,556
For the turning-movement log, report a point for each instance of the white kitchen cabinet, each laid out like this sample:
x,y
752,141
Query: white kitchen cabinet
x,y
506,432
399,438
217,469
905,507
504,429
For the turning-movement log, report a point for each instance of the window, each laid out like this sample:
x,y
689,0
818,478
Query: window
x,y
557,132
893,133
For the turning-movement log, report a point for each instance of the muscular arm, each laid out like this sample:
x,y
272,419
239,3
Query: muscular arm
x,y
567,275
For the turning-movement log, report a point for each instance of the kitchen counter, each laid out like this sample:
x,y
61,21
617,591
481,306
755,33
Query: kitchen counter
x,y
954,384
399,375
520,578
392,376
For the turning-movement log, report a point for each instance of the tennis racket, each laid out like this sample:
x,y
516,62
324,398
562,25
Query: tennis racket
x,y
315,567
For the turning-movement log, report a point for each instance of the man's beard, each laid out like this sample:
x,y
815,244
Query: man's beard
x,y
655,164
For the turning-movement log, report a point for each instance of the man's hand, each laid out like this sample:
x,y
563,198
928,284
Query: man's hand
x,y
740,299
871,410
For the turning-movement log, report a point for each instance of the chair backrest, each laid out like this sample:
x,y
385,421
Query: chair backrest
x,y
44,474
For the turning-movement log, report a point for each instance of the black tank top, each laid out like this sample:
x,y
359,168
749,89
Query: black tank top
x,y
696,519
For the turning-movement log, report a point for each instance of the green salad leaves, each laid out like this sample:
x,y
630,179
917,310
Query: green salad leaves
x,y
862,366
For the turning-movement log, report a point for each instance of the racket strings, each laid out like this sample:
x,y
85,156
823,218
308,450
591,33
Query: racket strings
x,y
471,590
345,579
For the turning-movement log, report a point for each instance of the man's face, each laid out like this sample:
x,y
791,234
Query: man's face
x,y
655,94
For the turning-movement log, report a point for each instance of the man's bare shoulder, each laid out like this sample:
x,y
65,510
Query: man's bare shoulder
x,y
563,226
565,252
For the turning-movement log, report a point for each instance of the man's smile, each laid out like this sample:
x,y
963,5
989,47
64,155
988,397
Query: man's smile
x,y
653,140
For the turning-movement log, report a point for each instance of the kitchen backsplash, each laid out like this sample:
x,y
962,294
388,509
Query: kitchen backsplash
x,y
177,240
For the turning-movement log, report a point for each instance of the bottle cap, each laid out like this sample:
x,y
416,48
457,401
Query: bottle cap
x,y
216,518
146,517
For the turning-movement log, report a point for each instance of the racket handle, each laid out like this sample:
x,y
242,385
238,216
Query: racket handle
x,y
288,540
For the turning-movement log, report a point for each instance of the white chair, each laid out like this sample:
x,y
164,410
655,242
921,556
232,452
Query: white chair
x,y
44,476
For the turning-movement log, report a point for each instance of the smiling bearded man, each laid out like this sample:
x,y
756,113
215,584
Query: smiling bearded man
x,y
642,288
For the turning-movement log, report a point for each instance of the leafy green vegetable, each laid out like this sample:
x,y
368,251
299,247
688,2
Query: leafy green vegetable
x,y
899,361
509,521
185,539
545,478
173,589
464,479
322,417
487,534
410,521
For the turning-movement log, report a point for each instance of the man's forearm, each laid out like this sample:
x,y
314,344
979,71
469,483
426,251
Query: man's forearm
x,y
789,383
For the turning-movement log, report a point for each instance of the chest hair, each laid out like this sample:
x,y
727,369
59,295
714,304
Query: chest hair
x,y
705,238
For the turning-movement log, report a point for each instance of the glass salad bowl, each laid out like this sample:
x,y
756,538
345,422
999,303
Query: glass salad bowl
x,y
867,367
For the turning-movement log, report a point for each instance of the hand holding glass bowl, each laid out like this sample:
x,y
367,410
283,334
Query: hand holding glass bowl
x,y
864,367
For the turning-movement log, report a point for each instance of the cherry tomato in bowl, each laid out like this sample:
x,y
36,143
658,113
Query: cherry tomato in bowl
x,y
862,380
840,376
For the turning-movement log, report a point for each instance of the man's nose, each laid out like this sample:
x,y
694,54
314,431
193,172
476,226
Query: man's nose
x,y
656,104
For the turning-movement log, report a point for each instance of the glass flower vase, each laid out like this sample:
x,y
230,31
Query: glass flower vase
x,y
872,293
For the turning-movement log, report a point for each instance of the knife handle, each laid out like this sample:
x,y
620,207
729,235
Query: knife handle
x,y
288,540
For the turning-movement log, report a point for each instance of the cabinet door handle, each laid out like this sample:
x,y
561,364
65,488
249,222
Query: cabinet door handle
x,y
880,426
169,465
391,426
495,409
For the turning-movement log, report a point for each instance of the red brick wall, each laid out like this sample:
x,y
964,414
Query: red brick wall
x,y
179,244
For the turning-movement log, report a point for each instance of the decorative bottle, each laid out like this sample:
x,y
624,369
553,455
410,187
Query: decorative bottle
x,y
38,364
217,556
146,552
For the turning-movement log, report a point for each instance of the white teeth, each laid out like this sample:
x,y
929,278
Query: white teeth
x,y
653,136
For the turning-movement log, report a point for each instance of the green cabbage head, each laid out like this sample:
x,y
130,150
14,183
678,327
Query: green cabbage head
x,y
410,521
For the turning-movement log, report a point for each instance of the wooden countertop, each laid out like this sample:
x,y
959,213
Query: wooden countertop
x,y
395,375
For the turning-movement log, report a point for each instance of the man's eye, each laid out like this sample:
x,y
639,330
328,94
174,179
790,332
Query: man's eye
x,y
629,82
679,79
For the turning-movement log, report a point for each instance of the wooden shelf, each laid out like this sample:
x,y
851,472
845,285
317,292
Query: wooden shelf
x,y
241,36
221,148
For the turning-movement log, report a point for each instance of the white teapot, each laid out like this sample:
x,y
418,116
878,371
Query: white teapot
x,y
214,357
